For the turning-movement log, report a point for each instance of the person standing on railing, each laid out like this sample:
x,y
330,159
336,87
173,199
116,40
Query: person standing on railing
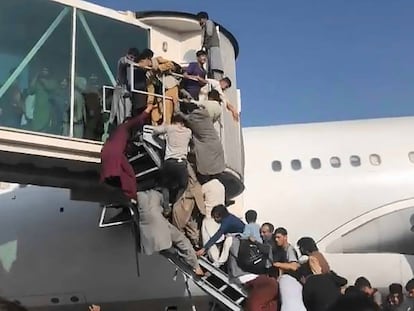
x,y
195,75
211,44
116,170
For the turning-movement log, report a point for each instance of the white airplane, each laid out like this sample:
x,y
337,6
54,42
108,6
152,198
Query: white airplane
x,y
349,185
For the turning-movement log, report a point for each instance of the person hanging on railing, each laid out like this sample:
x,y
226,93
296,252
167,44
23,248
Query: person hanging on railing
x,y
122,77
211,44
141,72
220,86
195,74
121,107
164,67
116,170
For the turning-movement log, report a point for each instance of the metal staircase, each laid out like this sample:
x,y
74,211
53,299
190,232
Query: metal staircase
x,y
146,158
214,283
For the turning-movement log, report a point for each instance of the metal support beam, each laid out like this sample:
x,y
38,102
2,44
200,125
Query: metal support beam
x,y
33,51
72,73
96,48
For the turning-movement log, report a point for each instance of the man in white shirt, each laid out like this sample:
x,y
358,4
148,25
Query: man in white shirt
x,y
220,86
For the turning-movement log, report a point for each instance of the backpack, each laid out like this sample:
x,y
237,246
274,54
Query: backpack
x,y
253,256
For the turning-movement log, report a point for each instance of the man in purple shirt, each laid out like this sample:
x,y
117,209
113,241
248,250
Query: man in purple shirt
x,y
195,75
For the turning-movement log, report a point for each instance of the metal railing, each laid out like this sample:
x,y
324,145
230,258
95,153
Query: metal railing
x,y
229,134
161,77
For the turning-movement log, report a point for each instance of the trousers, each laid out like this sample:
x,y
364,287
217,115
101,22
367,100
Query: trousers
x,y
175,177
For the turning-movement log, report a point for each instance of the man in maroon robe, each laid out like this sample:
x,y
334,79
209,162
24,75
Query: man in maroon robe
x,y
115,167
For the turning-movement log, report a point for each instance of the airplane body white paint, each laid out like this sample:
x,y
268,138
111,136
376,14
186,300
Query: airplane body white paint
x,y
361,216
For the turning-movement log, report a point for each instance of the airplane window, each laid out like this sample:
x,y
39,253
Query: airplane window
x,y
411,156
375,159
335,162
316,163
296,165
355,160
277,166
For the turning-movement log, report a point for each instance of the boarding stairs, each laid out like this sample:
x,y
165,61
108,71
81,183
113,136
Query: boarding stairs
x,y
214,283
146,157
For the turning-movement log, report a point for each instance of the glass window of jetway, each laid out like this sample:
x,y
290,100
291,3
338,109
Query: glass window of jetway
x,y
46,88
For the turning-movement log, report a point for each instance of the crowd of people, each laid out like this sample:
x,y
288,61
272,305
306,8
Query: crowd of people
x,y
44,106
188,210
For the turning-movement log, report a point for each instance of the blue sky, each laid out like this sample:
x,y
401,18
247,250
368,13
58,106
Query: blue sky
x,y
308,61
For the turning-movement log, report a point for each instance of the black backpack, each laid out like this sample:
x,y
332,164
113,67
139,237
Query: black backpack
x,y
253,256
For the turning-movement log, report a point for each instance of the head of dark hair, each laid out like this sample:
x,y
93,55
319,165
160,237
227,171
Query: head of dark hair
x,y
220,211
202,15
410,285
227,80
270,226
281,231
188,107
6,305
395,288
251,216
214,95
307,245
201,53
133,51
362,282
355,302
177,119
145,54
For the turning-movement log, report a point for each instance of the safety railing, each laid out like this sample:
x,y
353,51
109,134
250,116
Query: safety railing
x,y
163,96
228,133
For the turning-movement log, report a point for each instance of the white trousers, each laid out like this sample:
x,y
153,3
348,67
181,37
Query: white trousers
x,y
214,194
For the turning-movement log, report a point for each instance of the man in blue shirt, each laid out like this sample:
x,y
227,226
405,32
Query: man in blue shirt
x,y
228,224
